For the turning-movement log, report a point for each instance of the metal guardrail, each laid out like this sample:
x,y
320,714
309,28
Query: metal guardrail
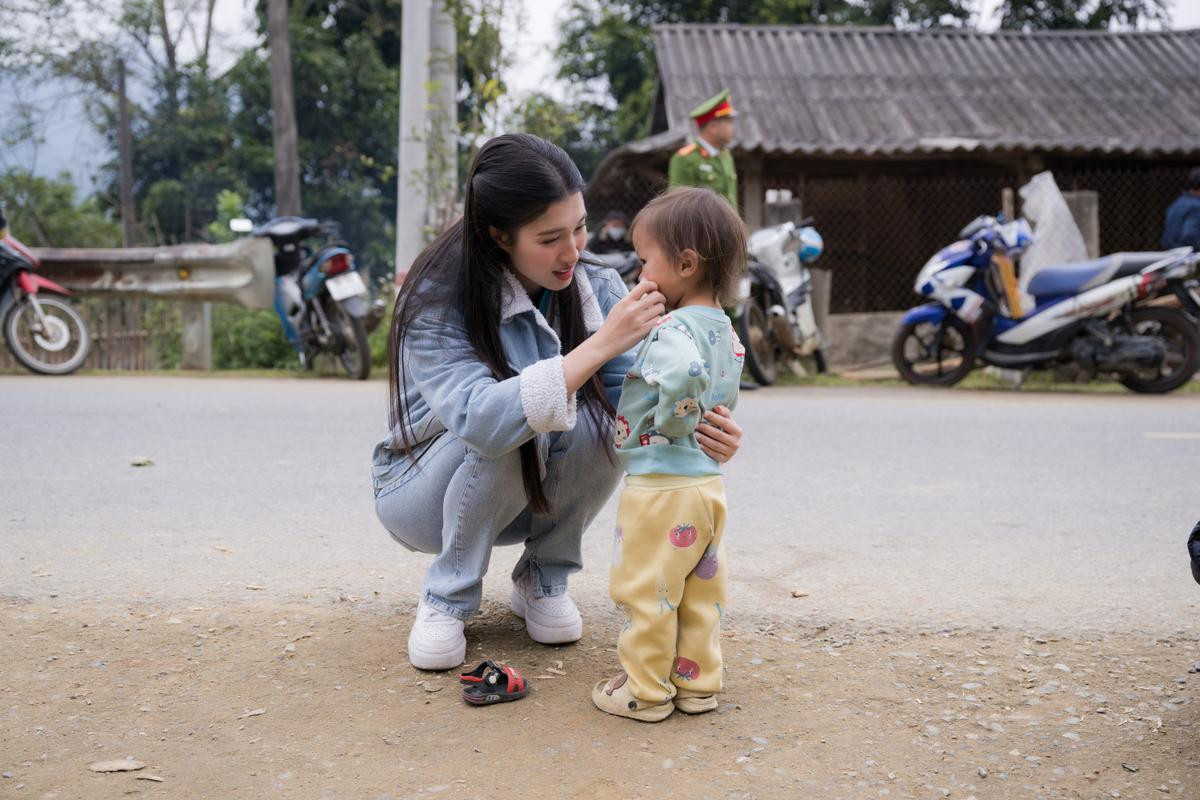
x,y
241,272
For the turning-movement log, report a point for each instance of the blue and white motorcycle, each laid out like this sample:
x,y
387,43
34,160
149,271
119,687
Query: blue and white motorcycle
x,y
1090,314
320,293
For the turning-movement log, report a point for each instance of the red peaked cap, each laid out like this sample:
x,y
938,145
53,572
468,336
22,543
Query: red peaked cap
x,y
721,109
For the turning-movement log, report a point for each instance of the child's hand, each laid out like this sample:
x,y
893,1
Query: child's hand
x,y
718,435
632,318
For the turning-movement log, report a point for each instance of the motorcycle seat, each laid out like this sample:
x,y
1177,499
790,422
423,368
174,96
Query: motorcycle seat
x,y
1083,275
285,229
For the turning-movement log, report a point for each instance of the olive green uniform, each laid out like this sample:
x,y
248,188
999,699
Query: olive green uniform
x,y
693,166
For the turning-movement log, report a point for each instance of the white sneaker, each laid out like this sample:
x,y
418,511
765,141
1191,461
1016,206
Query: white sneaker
x,y
437,641
549,620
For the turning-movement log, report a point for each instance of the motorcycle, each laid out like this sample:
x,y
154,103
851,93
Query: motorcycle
x,y
775,320
42,329
1185,289
1090,314
626,263
320,296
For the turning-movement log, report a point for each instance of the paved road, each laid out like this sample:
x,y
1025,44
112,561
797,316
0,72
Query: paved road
x,y
885,505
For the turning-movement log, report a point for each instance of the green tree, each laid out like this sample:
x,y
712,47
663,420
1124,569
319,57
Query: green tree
x,y
565,124
44,212
346,77
1081,14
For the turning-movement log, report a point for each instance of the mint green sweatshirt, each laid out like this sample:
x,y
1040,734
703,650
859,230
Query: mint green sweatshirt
x,y
690,362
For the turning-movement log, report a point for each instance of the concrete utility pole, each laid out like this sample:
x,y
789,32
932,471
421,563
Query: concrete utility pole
x,y
283,108
443,105
427,184
412,208
126,156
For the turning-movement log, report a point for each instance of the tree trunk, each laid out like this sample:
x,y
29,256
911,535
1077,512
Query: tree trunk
x,y
208,26
283,106
172,71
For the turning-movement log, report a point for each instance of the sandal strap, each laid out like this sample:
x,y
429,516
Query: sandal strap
x,y
480,673
516,681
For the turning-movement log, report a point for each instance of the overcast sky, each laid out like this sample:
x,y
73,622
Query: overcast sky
x,y
72,145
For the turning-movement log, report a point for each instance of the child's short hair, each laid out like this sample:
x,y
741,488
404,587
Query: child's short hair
x,y
699,220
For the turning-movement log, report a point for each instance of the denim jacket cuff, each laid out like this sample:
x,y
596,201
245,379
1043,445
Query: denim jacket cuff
x,y
544,396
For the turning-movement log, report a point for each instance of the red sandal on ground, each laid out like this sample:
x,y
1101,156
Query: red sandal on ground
x,y
490,683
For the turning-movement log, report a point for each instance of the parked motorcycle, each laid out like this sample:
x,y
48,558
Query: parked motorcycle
x,y
626,263
775,320
320,296
42,329
1088,314
1185,288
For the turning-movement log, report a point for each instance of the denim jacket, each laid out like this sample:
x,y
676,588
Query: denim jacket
x,y
449,389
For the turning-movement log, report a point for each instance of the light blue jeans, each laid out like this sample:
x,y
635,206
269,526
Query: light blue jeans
x,y
457,505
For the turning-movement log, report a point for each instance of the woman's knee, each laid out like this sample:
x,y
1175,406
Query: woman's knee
x,y
407,524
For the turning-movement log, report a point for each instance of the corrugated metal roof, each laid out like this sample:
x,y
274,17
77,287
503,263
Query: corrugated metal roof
x,y
876,91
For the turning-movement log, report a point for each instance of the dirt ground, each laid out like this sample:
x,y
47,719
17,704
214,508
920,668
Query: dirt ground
x,y
318,701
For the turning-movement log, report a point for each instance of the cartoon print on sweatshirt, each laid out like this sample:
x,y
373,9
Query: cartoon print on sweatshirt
x,y
684,330
652,437
686,406
680,376
739,350
622,430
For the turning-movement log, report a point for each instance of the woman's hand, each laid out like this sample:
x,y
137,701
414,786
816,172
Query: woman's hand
x,y
631,319
627,324
718,435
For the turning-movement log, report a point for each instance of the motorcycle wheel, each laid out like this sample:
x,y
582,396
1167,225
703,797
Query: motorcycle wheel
x,y
755,332
352,334
58,349
1182,341
934,354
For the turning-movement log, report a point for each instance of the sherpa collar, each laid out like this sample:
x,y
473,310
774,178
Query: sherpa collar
x,y
515,300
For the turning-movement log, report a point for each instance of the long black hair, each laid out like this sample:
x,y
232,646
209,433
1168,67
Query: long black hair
x,y
512,180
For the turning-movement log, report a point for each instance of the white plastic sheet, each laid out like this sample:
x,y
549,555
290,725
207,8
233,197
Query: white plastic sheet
x,y
1056,236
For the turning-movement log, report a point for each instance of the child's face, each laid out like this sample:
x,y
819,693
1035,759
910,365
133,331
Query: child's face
x,y
659,269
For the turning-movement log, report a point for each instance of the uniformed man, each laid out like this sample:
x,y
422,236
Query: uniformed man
x,y
707,162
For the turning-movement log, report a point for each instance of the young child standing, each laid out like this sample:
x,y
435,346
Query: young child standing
x,y
669,572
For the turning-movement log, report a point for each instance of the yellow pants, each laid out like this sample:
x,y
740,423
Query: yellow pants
x,y
668,576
